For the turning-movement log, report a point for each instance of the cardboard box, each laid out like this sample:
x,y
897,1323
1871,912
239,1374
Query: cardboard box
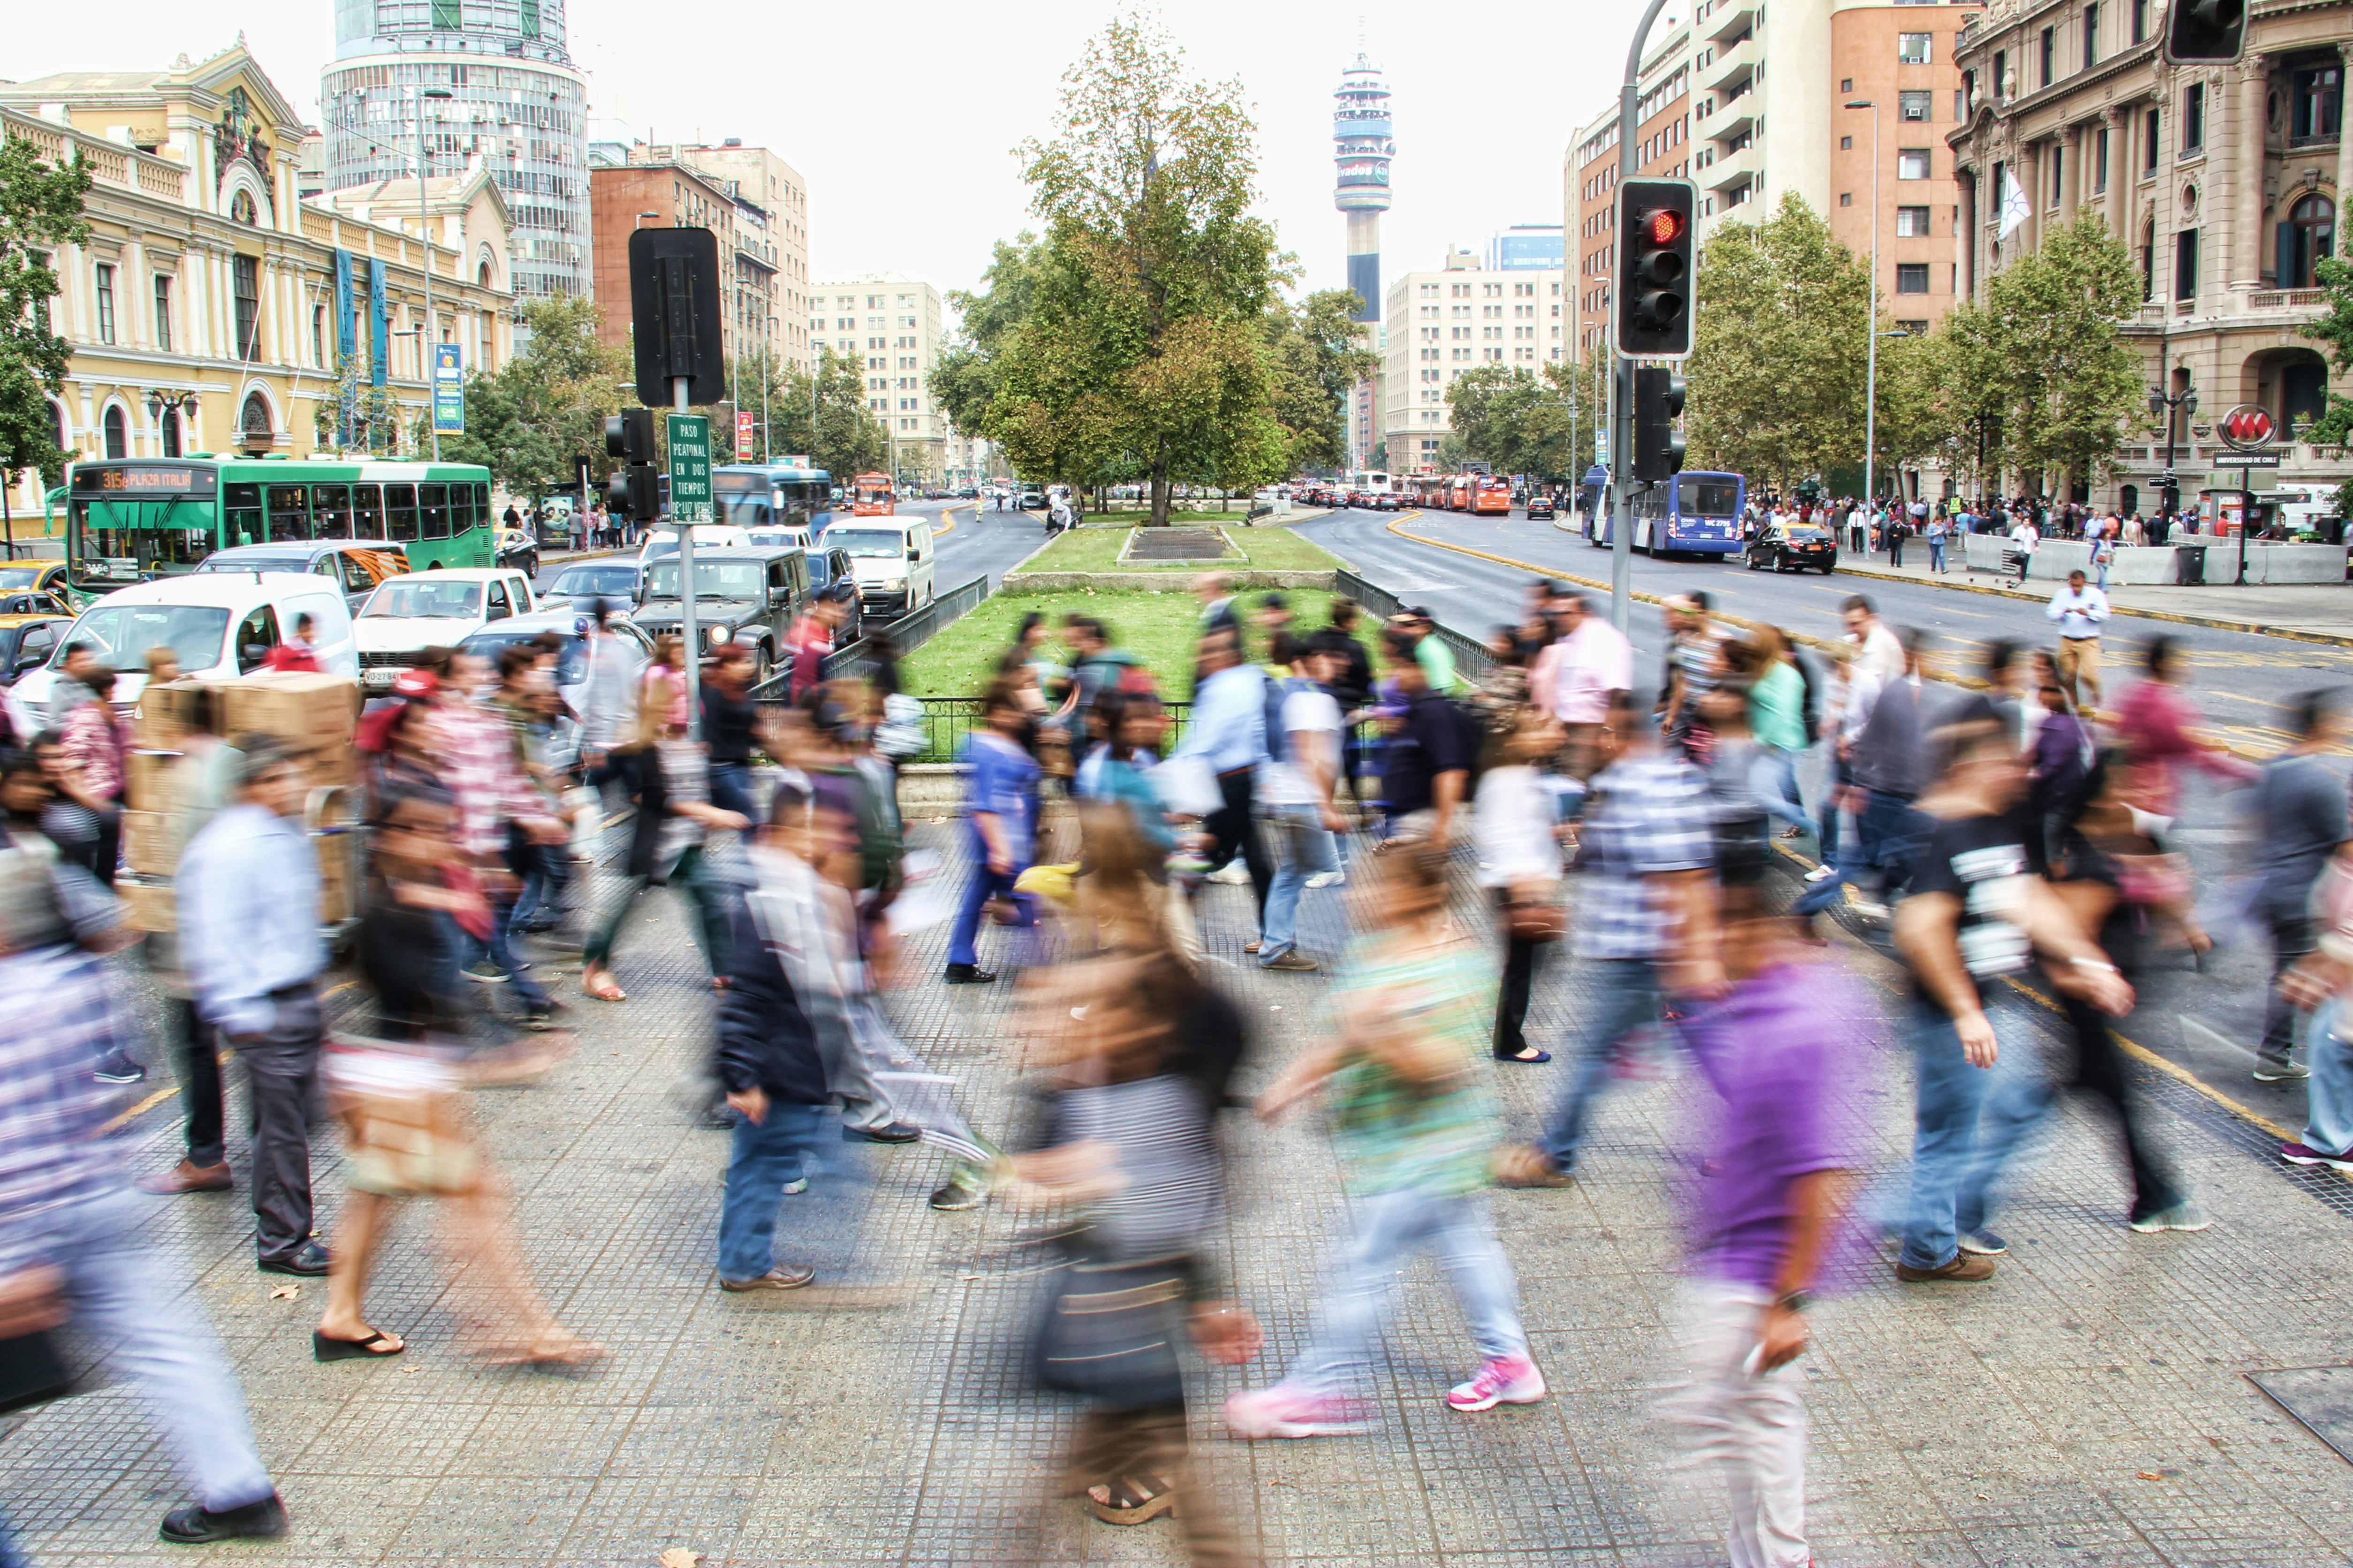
x,y
149,842
331,767
152,904
157,782
306,712
165,714
336,903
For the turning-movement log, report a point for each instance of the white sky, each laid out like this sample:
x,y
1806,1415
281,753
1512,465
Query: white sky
x,y
903,117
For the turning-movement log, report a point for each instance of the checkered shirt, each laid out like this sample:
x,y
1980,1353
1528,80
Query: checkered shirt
x,y
63,1008
477,757
1647,816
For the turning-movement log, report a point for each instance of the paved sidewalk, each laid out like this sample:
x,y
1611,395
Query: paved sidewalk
x,y
2089,1407
2318,612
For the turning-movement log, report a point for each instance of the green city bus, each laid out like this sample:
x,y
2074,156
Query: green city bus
x,y
128,521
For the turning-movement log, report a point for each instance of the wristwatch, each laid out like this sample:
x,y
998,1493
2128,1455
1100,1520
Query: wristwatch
x,y
1795,1300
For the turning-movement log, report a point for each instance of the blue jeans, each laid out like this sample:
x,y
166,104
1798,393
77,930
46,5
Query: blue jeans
x,y
761,1160
1966,1120
499,950
1305,849
1888,834
1389,1228
1773,779
1625,997
731,788
2329,1126
979,887
1935,553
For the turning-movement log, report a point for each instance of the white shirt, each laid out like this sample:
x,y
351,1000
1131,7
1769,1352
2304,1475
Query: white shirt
x,y
2025,537
1512,818
1311,733
2079,613
1883,653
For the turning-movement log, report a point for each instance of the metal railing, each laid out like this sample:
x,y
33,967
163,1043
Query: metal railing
x,y
1472,658
908,633
948,720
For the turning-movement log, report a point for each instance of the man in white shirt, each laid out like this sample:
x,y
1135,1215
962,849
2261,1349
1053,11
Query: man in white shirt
x,y
1877,650
1295,791
2080,611
2023,537
1575,675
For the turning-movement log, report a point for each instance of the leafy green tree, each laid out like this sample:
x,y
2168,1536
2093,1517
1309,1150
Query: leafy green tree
x,y
1317,356
1143,345
40,208
529,420
2335,425
963,381
1517,420
2071,384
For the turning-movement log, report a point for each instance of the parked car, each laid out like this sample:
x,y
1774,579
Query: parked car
x,y
1799,546
357,568
591,579
737,592
1540,506
518,548
26,641
223,622
432,609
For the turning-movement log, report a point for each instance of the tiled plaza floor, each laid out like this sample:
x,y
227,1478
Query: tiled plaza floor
x,y
2089,1407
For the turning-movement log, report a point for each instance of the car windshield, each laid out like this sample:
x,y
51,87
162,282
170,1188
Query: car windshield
x,y
1807,534
597,580
870,543
776,538
424,599
712,580
571,659
16,578
121,635
225,562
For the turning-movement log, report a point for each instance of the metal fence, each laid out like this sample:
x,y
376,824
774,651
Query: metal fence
x,y
1470,656
948,720
908,633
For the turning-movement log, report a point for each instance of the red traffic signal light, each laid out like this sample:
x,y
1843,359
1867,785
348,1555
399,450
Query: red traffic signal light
x,y
1652,288
1666,225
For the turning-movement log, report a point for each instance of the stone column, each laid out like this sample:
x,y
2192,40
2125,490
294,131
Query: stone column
x,y
2344,144
2122,176
2070,173
2245,261
2028,237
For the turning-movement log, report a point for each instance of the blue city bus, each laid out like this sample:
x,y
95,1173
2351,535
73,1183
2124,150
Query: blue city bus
x,y
1693,514
771,495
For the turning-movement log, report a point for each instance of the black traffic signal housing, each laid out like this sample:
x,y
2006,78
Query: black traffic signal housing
x,y
2198,30
674,314
634,491
1658,444
1656,254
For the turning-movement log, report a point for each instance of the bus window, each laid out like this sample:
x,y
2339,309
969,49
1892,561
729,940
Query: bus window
x,y
330,510
367,511
244,521
1699,497
461,508
482,505
289,514
433,501
400,509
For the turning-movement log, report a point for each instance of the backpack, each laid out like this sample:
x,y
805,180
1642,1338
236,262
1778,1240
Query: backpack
x,y
1278,744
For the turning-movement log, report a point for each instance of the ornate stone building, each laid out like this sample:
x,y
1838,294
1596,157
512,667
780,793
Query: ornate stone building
x,y
2224,182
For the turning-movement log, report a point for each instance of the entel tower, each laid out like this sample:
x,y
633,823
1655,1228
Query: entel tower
x,y
1361,152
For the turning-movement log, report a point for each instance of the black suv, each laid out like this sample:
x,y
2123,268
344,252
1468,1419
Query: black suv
x,y
746,595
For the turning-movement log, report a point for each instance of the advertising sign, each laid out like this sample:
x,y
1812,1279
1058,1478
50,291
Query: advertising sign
x,y
449,391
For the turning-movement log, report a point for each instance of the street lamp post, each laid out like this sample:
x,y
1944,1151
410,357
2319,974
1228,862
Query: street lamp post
x,y
1871,324
2172,405
425,227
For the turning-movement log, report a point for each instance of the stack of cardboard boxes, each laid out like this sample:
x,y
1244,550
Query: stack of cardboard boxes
x,y
312,715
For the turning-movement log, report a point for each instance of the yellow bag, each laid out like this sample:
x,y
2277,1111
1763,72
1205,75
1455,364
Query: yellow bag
x,y
1059,883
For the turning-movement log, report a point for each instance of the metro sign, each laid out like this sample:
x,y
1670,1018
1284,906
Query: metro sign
x,y
2248,427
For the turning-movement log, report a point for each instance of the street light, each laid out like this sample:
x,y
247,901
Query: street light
x,y
2172,406
425,227
1870,322
159,403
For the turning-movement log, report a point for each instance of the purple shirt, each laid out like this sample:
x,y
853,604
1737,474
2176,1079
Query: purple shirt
x,y
1784,1053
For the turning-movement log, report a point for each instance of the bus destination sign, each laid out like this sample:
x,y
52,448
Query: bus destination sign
x,y
143,480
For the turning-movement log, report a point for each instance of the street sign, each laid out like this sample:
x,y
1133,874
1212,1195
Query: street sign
x,y
689,467
449,391
1602,447
2248,427
2245,460
744,440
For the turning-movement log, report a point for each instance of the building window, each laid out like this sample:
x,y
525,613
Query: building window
x,y
2100,159
171,429
2185,265
318,335
2308,236
1915,326
118,441
1846,198
241,208
2058,179
1846,143
2152,144
1911,278
163,315
1846,84
1911,223
105,303
245,273
1912,163
2315,101
2193,117
448,16
1915,103
1912,49
2049,57
2140,20
2000,75
530,18
2148,261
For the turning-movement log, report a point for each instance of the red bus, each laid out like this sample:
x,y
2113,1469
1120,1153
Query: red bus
x,y
1491,496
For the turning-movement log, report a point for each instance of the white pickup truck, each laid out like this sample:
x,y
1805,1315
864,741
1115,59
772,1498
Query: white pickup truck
x,y
407,615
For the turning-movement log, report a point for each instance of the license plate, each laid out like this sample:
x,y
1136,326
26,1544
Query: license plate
x,y
381,676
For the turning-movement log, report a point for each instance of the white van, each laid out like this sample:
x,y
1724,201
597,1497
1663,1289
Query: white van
x,y
892,559
407,615
218,623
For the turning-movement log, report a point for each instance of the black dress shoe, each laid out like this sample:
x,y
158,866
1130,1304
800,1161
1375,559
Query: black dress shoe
x,y
969,974
888,1132
195,1524
308,1260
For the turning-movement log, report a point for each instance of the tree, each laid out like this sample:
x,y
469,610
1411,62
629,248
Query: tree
x,y
530,420
1777,369
964,378
2071,383
1517,420
1316,357
1141,344
40,208
2335,425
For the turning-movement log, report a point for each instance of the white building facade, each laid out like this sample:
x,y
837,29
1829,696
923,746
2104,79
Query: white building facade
x,y
893,325
1441,324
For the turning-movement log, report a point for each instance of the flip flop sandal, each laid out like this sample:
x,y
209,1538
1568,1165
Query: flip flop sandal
x,y
1133,1500
578,1354
604,988
326,1347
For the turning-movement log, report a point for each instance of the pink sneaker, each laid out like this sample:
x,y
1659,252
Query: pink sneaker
x,y
1509,1380
1283,1411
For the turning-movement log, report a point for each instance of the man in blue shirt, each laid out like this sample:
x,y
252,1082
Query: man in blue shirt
x,y
1228,732
1001,804
248,916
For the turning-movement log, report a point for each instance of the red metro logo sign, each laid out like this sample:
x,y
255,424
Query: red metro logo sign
x,y
2249,429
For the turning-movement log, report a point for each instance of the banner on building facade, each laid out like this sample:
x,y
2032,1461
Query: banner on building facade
x,y
449,391
379,326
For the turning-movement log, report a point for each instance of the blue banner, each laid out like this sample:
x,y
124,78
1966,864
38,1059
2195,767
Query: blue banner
x,y
345,328
379,327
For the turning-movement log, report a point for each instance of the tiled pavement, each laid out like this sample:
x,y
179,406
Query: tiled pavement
x,y
2087,1408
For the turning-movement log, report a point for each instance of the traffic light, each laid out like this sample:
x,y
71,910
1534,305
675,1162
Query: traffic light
x,y
634,491
2205,30
1653,285
1658,444
674,313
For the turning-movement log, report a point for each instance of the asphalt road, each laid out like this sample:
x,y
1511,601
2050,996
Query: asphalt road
x,y
2207,1023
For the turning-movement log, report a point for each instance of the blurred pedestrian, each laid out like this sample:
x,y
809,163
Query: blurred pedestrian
x,y
1578,676
1427,754
2321,983
299,654
1518,824
1296,787
2160,728
2080,611
1228,734
1001,826
2300,819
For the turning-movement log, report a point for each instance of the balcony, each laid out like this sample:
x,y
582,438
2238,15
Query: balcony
x,y
1730,65
1739,119
1730,19
1732,169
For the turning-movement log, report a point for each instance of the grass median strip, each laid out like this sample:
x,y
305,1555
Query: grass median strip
x,y
1095,549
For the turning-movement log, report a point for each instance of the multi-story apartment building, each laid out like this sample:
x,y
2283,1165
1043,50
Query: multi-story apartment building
x,y
2223,180
766,186
1589,175
1441,324
634,185
890,324
204,276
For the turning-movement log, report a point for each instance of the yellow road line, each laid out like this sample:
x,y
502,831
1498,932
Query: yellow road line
x,y
153,1100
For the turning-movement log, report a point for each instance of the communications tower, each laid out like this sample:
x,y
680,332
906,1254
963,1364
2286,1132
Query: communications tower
x,y
1362,148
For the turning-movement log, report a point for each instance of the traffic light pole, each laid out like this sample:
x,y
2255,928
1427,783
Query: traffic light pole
x,y
687,627
1621,401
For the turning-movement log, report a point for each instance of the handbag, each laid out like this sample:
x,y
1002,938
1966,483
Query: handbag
x,y
32,1372
404,1121
1110,1331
